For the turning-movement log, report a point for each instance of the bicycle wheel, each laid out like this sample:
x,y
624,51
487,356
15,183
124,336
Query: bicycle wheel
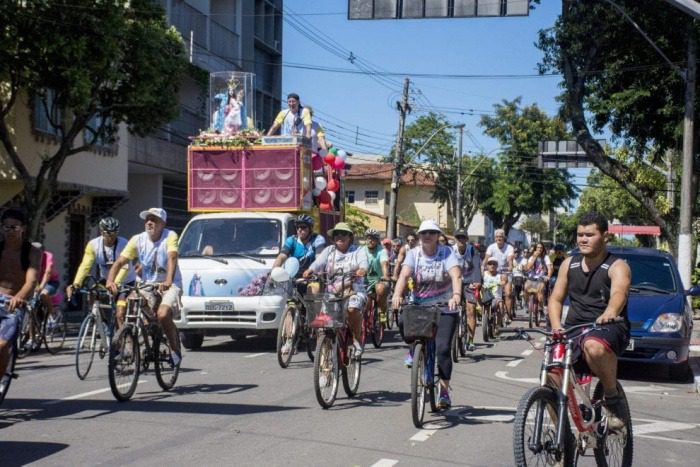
x,y
431,379
287,334
418,387
351,372
85,346
454,347
166,370
22,348
535,431
615,448
54,330
9,375
124,364
486,323
377,328
326,371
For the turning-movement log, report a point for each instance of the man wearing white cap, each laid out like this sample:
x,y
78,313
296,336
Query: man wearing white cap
x,y
156,250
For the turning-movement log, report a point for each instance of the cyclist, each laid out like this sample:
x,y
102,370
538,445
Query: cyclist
x,y
19,269
519,262
538,271
305,245
156,250
377,271
100,254
597,284
437,278
344,257
470,263
47,288
504,253
495,282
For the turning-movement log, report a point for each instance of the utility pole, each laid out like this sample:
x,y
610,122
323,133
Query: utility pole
x,y
458,195
685,239
398,162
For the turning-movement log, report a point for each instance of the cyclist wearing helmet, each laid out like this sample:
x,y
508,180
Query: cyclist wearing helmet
x,y
378,270
303,245
100,254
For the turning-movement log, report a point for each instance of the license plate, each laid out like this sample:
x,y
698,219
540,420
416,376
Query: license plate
x,y
630,346
218,306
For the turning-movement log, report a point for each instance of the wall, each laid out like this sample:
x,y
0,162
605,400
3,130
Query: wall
x,y
145,191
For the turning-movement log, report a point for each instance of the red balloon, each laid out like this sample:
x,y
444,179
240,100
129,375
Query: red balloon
x,y
316,162
338,163
333,185
330,159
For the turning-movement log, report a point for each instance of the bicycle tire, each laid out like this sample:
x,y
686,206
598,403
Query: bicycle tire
x,y
431,380
377,328
124,365
85,346
23,338
486,322
287,334
536,401
166,371
351,373
418,388
9,375
454,347
54,334
326,378
618,446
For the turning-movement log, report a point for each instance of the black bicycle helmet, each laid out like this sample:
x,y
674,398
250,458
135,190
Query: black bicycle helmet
x,y
109,224
304,219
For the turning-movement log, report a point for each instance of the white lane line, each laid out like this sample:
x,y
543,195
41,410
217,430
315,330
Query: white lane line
x,y
527,352
256,355
686,441
86,394
514,363
504,375
385,463
423,435
694,348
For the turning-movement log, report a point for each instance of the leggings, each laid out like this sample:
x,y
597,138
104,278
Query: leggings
x,y
443,341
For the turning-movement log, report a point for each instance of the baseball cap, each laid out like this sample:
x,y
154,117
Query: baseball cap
x,y
492,260
429,225
158,212
461,233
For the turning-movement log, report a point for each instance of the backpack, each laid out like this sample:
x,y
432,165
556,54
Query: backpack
x,y
24,257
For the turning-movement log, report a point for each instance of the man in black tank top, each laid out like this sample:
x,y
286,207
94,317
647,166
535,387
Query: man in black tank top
x,y
597,284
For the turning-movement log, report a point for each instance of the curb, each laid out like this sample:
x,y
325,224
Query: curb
x,y
695,366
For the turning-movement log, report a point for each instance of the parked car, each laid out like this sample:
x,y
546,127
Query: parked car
x,y
659,313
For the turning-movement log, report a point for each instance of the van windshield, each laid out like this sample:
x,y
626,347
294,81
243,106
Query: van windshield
x,y
222,237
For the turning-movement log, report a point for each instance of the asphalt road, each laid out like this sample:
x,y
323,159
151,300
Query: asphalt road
x,y
234,405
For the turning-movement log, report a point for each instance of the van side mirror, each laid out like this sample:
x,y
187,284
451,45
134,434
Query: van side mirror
x,y
694,291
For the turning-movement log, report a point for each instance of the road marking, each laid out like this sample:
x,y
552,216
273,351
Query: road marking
x,y
87,394
256,355
686,441
694,348
423,435
652,388
504,375
385,463
527,352
658,426
514,363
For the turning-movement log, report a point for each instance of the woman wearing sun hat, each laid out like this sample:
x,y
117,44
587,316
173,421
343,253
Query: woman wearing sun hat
x,y
437,279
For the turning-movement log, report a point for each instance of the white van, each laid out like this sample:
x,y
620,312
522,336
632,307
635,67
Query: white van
x,y
225,259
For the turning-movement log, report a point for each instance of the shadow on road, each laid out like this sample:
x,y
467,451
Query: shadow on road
x,y
16,453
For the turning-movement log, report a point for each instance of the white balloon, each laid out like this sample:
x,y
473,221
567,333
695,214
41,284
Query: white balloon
x,y
342,154
279,274
291,265
321,183
332,194
316,191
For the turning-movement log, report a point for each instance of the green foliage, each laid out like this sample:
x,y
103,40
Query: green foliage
x,y
519,186
356,218
566,229
535,226
104,62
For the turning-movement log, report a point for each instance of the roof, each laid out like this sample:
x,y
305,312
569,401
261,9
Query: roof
x,y
384,171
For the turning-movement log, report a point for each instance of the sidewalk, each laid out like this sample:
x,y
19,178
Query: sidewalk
x,y
695,353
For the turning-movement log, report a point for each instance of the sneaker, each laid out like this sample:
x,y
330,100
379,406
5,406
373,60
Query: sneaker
x,y
471,347
408,361
358,349
616,417
176,358
444,401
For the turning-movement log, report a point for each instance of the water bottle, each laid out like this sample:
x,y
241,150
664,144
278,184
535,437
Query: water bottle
x,y
411,295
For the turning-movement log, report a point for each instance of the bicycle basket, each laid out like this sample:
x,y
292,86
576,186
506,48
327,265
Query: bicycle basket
x,y
325,310
420,321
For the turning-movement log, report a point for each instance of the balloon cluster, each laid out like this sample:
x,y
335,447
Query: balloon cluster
x,y
327,167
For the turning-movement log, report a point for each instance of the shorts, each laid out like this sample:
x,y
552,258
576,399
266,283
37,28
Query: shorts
x,y
357,300
9,322
469,295
51,287
613,336
171,297
532,284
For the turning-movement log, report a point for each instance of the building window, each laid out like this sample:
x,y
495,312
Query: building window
x,y
45,106
101,141
387,197
350,196
371,197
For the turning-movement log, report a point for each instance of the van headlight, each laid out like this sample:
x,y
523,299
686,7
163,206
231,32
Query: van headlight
x,y
668,322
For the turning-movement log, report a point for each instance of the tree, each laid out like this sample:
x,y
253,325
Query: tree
x,y
614,80
519,186
358,221
91,66
535,226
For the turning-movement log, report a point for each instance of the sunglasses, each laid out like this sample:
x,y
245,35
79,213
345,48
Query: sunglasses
x,y
341,234
430,232
302,226
10,228
110,233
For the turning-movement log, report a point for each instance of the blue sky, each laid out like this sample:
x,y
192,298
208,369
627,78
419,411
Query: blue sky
x,y
357,105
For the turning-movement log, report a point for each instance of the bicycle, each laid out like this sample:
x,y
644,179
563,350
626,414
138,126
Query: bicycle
x,y
533,304
371,322
140,325
40,328
460,339
293,327
490,317
542,433
10,374
420,324
96,327
335,352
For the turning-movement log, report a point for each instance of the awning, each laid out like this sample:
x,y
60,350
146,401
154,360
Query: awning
x,y
621,229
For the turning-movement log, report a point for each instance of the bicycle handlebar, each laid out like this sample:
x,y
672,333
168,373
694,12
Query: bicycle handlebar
x,y
561,334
